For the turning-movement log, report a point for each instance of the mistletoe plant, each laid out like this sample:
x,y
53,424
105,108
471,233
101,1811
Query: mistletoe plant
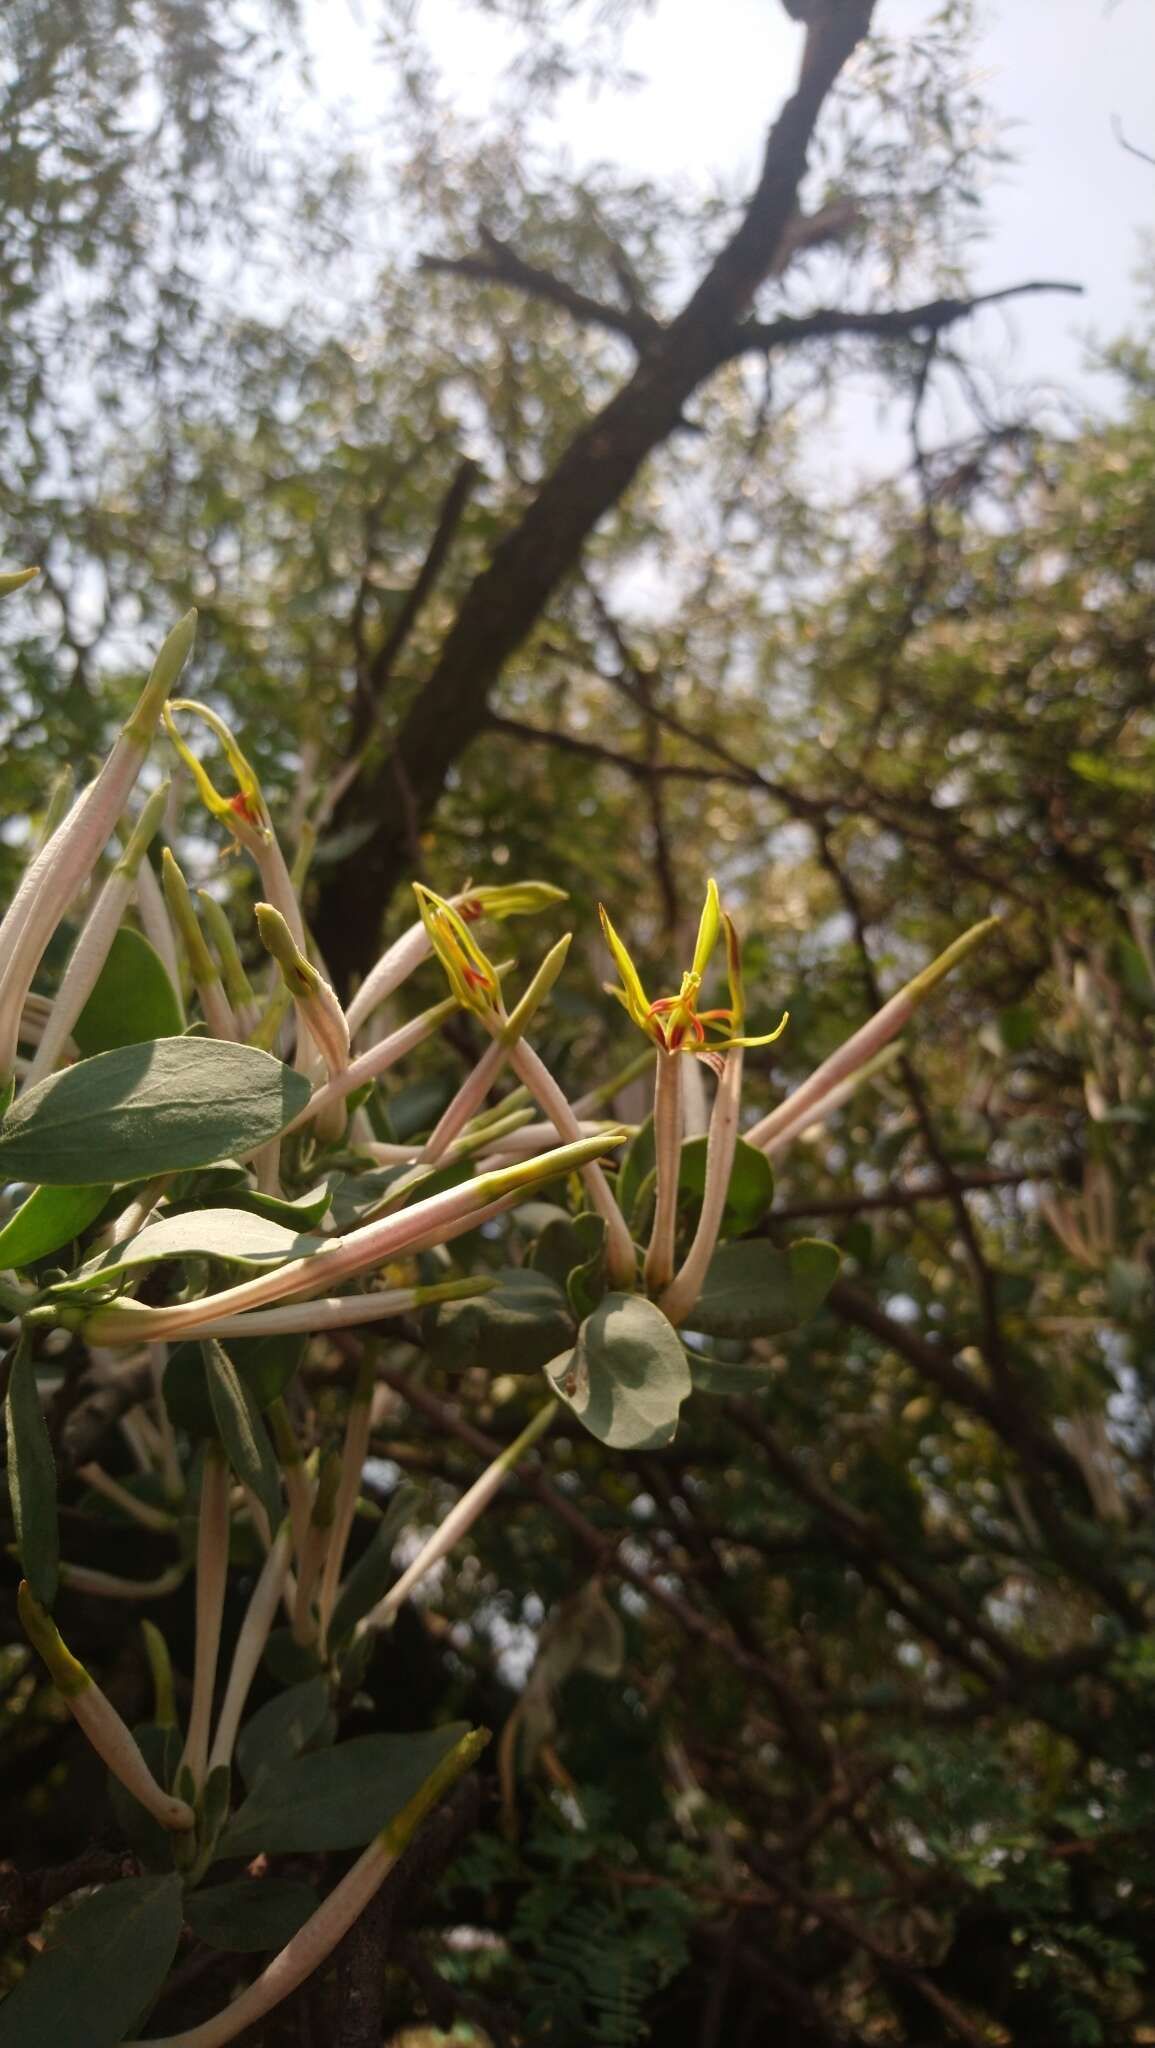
x,y
205,1191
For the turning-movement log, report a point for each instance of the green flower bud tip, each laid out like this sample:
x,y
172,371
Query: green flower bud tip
x,y
68,1674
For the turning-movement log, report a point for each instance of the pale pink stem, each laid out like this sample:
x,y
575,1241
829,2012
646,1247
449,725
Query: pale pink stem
x,y
211,1574
84,1578
530,1068
458,1521
859,1048
659,1265
466,1102
254,1634
368,1065
354,1452
396,964
82,972
811,1119
53,878
683,1292
156,924
333,1918
94,1475
434,1220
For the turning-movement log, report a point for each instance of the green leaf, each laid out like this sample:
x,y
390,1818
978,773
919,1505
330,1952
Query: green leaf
x,y
755,1290
627,1375
303,1213
336,1798
516,1328
282,1728
232,1235
103,1965
242,1432
133,999
374,1571
146,1109
265,1364
32,1477
586,1282
414,1108
751,1189
251,1914
635,1180
49,1218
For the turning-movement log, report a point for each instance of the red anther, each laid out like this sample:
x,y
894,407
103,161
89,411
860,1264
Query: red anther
x,y
243,808
475,976
471,911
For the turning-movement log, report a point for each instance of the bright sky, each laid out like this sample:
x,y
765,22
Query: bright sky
x,y
1058,73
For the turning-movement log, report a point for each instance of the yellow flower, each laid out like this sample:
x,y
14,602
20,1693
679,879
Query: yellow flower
x,y
675,1023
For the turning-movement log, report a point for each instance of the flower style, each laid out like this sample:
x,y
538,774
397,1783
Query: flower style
x,y
675,1023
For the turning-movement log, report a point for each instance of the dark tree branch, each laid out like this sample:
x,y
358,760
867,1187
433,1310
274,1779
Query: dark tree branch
x,y
506,600
830,322
500,264
379,666
591,750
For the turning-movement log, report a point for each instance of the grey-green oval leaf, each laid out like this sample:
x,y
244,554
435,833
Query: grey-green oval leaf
x,y
336,1798
103,1965
160,1107
516,1327
755,1290
282,1728
242,1432
252,1914
627,1375
233,1235
132,1000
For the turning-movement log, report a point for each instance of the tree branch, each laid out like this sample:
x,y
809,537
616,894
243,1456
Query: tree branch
x,y
927,319
501,265
506,600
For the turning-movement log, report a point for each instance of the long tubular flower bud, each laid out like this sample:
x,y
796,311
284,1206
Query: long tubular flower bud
x,y
316,1543
466,1102
15,579
683,1291
317,1006
138,1510
368,1066
82,1578
157,925
601,1096
333,1918
659,1263
95,1713
864,1043
205,973
251,1642
59,803
354,1451
344,1311
91,949
405,955
458,1521
433,1220
529,1067
52,879
238,987
811,1119
212,1571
